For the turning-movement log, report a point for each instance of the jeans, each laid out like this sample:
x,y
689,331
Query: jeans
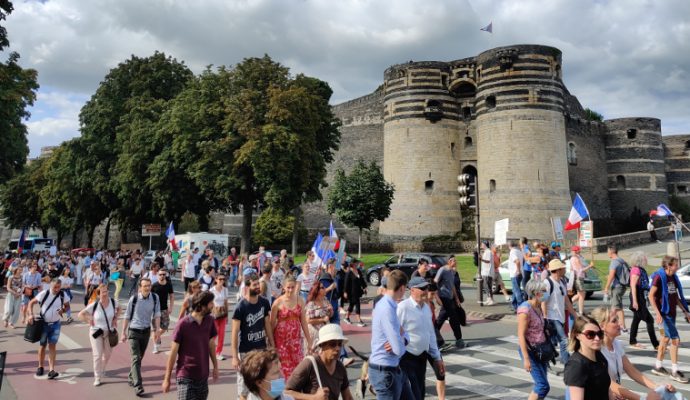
x,y
138,341
559,339
517,292
539,376
390,385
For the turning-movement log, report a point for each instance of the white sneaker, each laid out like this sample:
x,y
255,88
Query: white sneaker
x,y
220,357
97,382
489,302
156,350
508,299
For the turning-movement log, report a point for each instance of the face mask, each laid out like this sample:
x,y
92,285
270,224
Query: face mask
x,y
277,387
545,296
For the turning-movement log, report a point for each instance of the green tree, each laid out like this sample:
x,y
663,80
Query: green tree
x,y
275,227
361,198
591,115
19,197
109,131
58,197
6,8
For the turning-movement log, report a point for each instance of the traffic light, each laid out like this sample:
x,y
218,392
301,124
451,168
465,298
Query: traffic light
x,y
467,191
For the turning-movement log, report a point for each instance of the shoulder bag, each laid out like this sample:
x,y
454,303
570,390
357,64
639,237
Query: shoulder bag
x,y
544,351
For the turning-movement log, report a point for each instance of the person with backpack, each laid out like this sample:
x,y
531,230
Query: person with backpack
x,y
618,280
554,304
143,310
50,311
639,287
101,315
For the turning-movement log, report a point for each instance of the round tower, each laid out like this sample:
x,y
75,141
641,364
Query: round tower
x,y
636,169
421,152
521,146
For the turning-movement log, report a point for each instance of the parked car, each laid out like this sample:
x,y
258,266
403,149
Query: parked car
x,y
591,281
406,262
683,275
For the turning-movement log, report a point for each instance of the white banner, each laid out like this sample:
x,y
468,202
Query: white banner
x,y
501,231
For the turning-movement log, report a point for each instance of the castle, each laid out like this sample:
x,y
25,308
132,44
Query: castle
x,y
505,116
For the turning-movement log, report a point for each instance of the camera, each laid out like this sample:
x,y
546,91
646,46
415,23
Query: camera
x,y
97,334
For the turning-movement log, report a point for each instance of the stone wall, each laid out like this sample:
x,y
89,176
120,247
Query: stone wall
x,y
677,162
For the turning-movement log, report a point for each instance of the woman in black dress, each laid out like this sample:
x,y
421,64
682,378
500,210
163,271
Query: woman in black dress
x,y
355,287
586,373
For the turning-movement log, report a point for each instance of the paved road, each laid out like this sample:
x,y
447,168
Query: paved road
x,y
488,368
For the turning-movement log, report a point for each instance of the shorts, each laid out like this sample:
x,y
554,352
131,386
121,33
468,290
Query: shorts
x,y
617,296
51,333
165,319
670,330
579,285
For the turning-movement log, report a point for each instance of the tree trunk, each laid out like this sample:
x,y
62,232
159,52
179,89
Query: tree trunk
x,y
359,244
203,220
246,236
60,234
297,213
106,236
74,238
123,234
44,232
91,232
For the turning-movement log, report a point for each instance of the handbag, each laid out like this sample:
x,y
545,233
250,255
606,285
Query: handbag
x,y
115,276
220,312
113,336
28,292
34,331
544,351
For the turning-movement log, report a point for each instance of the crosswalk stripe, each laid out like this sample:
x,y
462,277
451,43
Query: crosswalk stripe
x,y
484,389
67,342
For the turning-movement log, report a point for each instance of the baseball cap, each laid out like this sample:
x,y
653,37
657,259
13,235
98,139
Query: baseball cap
x,y
418,282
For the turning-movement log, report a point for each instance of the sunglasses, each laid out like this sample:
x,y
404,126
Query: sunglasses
x,y
591,334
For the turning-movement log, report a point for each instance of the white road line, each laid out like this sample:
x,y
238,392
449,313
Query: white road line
x,y
67,342
484,389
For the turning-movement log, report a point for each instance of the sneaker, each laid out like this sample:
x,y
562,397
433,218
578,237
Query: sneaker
x,y
489,302
446,347
347,320
97,382
343,311
69,320
220,357
52,374
625,331
460,343
508,299
347,361
139,391
660,371
39,371
156,350
679,377
361,324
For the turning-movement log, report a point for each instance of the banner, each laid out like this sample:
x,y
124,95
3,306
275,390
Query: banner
x,y
586,234
557,226
151,230
501,232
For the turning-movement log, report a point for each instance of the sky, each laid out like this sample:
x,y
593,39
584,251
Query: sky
x,y
625,58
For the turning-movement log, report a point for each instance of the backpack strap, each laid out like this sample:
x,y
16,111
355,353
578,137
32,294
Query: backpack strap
x,y
134,304
40,312
316,370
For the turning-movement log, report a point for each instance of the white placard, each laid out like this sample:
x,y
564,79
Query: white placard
x,y
586,233
557,228
501,232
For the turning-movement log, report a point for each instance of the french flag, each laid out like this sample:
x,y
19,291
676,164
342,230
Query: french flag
x,y
662,210
170,233
22,240
316,248
577,213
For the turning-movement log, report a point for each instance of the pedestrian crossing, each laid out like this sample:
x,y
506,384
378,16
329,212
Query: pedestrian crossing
x,y
491,368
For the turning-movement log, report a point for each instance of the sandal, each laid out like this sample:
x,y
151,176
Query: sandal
x,y
638,346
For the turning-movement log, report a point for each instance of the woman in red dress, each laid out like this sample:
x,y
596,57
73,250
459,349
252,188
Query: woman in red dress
x,y
288,317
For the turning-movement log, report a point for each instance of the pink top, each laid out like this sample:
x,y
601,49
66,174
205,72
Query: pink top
x,y
535,323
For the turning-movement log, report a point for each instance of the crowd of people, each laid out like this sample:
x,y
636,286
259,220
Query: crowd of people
x,y
286,340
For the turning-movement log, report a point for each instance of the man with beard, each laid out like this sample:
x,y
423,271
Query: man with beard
x,y
194,340
249,328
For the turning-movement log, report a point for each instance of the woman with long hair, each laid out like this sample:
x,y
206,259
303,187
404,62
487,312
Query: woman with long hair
x,y
66,282
101,316
221,305
14,298
619,363
355,288
186,307
118,275
289,321
531,335
586,373
639,287
319,311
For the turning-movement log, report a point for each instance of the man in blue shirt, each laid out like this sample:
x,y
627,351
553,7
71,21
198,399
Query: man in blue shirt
x,y
388,341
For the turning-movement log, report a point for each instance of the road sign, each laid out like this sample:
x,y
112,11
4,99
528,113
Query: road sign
x,y
586,233
151,230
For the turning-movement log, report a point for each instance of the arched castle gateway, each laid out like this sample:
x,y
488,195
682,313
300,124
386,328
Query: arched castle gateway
x,y
506,116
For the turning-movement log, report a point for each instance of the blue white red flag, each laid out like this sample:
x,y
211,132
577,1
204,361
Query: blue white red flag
x,y
662,210
577,213
20,243
170,234
316,248
332,233
489,28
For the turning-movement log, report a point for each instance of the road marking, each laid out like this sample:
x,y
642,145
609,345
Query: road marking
x,y
482,388
67,342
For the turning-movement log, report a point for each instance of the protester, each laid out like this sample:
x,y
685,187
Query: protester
x,y
331,381
233,263
532,338
516,259
164,289
50,310
135,270
221,305
586,373
526,264
487,271
186,307
260,371
388,342
496,254
101,315
118,276
193,343
616,280
555,303
579,270
450,299
189,271
13,300
250,330
143,311
618,362
152,274
289,321
416,320
206,279
318,311
305,281
355,288
328,281
31,283
652,231
665,294
639,287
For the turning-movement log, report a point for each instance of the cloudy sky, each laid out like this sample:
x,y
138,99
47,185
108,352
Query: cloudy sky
x,y
622,58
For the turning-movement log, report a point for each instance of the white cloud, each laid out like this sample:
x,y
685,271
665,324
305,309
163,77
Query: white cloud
x,y
626,58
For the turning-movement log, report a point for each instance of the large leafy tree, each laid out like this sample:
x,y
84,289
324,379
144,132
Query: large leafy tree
x,y
361,198
59,203
19,197
6,8
125,105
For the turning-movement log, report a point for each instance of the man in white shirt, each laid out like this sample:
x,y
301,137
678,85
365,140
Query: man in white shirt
x,y
487,270
135,271
415,319
554,304
276,281
515,261
52,303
